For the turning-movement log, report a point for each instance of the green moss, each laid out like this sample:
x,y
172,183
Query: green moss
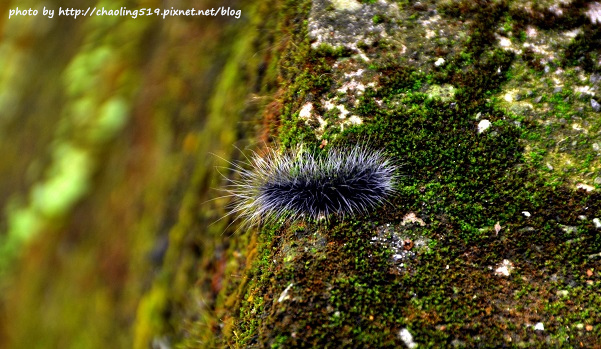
x,y
377,19
328,284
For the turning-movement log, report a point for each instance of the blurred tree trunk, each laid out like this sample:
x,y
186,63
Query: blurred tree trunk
x,y
106,128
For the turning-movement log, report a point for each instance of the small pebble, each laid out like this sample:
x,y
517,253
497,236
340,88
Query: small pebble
x,y
595,105
483,125
407,338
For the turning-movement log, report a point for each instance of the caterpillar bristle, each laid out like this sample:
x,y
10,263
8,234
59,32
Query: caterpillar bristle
x,y
298,183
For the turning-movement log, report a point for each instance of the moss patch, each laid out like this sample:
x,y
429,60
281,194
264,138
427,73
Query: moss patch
x,y
486,207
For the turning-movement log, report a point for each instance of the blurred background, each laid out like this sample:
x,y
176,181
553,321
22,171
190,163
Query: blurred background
x,y
106,126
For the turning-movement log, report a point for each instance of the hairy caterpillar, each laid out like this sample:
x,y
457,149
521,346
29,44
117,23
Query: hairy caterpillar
x,y
298,183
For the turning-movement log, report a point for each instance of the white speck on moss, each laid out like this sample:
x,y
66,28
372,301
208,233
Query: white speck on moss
x,y
440,61
504,42
568,229
531,32
407,338
539,326
354,74
505,268
284,296
354,119
584,90
322,123
483,125
556,10
578,127
305,111
572,33
343,112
